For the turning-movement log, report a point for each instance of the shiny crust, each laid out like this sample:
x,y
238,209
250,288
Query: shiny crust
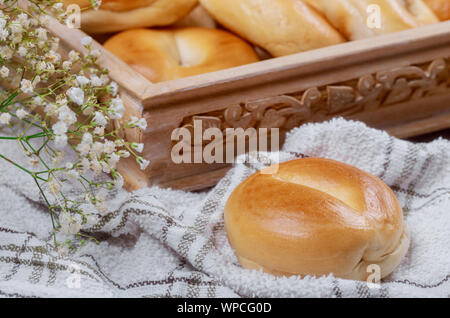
x,y
282,27
350,16
162,55
118,15
440,7
316,217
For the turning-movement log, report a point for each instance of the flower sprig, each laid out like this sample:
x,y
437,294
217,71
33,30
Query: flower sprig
x,y
59,109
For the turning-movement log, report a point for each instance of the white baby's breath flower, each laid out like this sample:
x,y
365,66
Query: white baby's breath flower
x,y
106,168
42,34
23,20
82,80
61,101
16,27
114,88
67,65
99,131
22,113
37,101
36,80
60,128
58,6
97,148
96,167
105,79
142,124
26,86
86,41
109,147
83,149
76,95
70,225
6,52
123,153
99,119
4,72
62,94
44,19
84,165
139,147
2,21
87,139
53,57
96,81
143,164
5,118
4,33
97,4
118,182
22,51
66,115
61,141
50,108
117,108
74,56
113,160
96,53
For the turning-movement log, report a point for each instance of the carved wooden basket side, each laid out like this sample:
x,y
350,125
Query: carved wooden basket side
x,y
398,82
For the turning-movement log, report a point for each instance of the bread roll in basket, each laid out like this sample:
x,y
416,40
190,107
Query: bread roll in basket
x,y
316,217
167,54
281,27
352,17
440,7
118,15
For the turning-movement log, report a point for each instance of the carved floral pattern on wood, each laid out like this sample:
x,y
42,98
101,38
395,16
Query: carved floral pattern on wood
x,y
368,93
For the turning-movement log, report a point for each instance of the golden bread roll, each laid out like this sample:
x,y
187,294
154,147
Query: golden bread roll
x,y
316,217
162,55
281,27
440,7
118,15
198,17
351,17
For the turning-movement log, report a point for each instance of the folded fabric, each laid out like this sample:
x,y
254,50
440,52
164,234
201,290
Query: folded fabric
x,y
165,243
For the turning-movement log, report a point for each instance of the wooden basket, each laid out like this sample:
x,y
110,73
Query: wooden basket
x,y
398,82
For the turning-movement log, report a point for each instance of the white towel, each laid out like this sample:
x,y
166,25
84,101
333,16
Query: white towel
x,y
164,243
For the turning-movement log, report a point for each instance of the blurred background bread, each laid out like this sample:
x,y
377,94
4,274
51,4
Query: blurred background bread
x,y
162,55
350,17
316,217
281,27
118,15
440,7
274,28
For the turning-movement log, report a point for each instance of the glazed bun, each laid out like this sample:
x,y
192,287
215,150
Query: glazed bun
x,y
350,17
440,7
281,27
162,55
118,15
316,217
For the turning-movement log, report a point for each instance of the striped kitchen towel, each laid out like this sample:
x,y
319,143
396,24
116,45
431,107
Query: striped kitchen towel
x,y
164,243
